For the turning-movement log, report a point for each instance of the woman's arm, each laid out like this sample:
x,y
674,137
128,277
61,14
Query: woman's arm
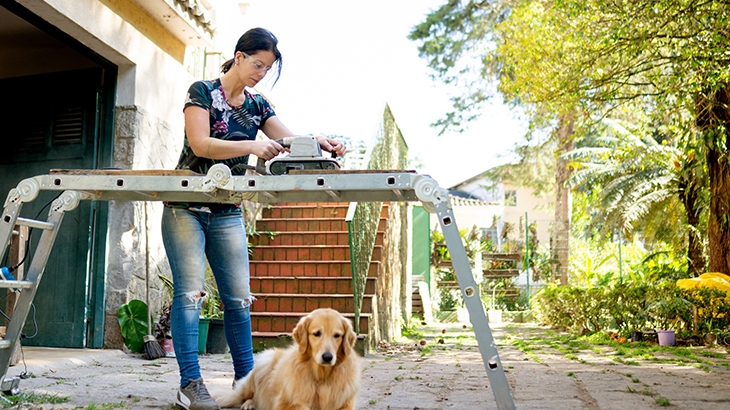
x,y
197,129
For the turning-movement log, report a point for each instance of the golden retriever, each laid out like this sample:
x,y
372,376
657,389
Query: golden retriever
x,y
320,371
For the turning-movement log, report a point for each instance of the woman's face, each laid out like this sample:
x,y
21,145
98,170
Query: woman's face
x,y
252,68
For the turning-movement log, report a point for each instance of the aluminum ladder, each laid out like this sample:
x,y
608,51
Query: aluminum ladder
x,y
220,186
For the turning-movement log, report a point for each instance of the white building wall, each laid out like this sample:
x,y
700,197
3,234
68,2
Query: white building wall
x,y
539,210
151,88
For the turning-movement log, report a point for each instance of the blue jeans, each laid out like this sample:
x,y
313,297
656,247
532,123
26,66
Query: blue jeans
x,y
190,237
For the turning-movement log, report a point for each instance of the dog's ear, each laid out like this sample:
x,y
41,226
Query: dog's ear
x,y
301,334
349,338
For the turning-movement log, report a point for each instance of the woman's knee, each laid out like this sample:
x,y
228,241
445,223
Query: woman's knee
x,y
191,299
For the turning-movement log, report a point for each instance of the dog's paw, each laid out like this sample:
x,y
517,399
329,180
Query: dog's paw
x,y
248,405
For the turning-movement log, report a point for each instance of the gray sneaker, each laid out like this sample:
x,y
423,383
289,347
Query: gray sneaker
x,y
195,397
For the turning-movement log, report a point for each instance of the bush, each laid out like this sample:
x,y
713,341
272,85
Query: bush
x,y
623,307
713,308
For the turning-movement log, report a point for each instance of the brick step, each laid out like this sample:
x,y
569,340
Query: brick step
x,y
300,253
301,238
312,210
307,238
265,225
306,210
284,322
307,268
306,253
336,285
305,303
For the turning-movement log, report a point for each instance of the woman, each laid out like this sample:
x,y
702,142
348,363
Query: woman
x,y
222,119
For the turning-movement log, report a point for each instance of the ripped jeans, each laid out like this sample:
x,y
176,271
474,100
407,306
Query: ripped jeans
x,y
189,237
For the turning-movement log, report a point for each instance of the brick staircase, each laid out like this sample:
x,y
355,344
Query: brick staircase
x,y
300,262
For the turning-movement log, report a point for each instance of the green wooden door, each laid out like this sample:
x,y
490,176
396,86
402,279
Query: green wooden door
x,y
421,243
53,121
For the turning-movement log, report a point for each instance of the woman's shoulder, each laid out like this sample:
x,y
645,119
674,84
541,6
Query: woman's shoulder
x,y
259,100
208,85
254,96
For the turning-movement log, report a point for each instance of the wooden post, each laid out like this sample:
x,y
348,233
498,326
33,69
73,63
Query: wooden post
x,y
17,252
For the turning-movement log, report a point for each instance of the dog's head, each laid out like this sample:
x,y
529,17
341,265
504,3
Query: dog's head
x,y
325,335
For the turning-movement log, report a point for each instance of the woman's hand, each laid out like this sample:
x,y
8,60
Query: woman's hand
x,y
328,144
266,148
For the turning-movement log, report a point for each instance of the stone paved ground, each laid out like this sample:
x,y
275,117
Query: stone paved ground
x,y
408,377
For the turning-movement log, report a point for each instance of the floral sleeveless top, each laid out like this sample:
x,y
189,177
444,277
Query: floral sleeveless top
x,y
227,122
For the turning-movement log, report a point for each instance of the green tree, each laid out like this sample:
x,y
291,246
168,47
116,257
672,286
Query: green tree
x,y
569,62
672,55
461,42
641,181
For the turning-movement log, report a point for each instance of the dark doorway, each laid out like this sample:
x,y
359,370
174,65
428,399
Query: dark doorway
x,y
57,112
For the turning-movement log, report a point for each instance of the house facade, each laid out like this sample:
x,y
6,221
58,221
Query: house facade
x,y
489,205
94,84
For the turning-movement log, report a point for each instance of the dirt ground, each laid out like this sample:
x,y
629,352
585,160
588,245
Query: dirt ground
x,y
409,376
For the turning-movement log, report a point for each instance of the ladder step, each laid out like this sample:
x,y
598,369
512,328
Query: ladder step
x,y
5,344
31,223
23,284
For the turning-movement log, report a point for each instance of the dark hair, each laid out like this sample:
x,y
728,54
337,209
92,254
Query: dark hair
x,y
253,41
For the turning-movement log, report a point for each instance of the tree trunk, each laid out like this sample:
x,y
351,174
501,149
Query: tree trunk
x,y
713,119
689,192
718,224
561,225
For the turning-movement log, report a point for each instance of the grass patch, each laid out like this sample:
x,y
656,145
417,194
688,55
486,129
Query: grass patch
x,y
106,406
33,398
662,401
715,355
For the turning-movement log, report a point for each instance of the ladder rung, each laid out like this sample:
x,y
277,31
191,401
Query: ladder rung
x,y
4,344
35,224
15,284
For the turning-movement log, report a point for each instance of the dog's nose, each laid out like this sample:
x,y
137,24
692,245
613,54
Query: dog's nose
x,y
327,357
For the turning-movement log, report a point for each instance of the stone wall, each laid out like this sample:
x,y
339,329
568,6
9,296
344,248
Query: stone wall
x,y
142,141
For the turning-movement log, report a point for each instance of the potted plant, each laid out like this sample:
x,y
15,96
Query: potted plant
x,y
162,327
211,319
663,313
494,313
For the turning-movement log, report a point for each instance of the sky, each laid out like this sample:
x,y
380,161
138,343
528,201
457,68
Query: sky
x,y
344,60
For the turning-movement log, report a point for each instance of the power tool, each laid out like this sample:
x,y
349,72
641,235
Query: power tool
x,y
304,154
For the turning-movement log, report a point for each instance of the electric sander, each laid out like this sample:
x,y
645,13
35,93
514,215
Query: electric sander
x,y
304,154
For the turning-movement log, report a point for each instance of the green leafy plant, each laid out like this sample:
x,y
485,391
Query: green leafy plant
x,y
132,318
212,306
669,309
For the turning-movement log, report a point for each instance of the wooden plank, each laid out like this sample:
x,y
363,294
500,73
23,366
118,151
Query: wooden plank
x,y
502,256
447,284
500,273
348,171
128,172
444,264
